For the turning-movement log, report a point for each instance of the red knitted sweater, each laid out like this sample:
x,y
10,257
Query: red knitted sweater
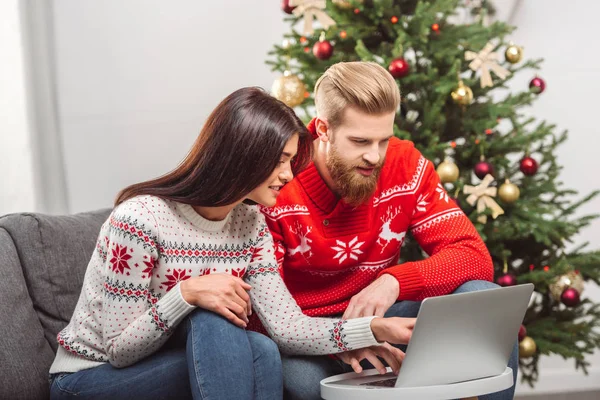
x,y
329,251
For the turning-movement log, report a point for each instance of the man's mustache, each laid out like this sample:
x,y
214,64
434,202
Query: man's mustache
x,y
377,166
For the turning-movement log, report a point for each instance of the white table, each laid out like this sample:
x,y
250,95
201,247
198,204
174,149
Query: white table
x,y
334,388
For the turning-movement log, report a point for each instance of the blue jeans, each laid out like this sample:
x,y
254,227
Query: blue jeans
x,y
207,358
301,375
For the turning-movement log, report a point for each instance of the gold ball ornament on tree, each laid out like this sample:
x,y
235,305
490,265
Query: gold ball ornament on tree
x,y
509,192
289,89
513,54
527,347
462,95
448,171
570,280
345,4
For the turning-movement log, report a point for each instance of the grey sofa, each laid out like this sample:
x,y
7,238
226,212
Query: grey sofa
x,y
42,264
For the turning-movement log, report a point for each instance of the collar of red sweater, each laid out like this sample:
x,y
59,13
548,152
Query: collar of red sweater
x,y
317,189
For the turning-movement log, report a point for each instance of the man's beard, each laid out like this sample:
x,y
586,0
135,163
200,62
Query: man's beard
x,y
353,187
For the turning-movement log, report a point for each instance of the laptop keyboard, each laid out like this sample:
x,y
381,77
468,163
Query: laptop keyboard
x,y
384,383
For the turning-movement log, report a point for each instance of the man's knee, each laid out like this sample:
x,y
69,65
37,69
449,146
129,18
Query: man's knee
x,y
474,286
404,309
302,375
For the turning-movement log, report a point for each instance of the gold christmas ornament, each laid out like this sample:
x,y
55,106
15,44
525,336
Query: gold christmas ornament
x,y
345,4
289,88
310,9
569,280
485,61
509,192
462,95
448,171
482,196
527,347
513,54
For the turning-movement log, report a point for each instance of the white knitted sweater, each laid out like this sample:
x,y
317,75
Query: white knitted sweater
x,y
130,302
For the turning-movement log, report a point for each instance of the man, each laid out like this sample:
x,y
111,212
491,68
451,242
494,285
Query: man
x,y
338,228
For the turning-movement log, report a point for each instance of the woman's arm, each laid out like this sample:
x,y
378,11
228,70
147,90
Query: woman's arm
x,y
294,332
135,322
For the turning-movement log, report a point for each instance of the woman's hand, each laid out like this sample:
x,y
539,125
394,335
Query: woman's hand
x,y
392,356
393,330
223,294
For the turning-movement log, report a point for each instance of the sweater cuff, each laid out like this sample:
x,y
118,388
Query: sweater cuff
x,y
172,307
409,278
357,333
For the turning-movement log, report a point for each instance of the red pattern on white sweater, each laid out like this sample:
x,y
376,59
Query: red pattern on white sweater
x,y
131,300
329,251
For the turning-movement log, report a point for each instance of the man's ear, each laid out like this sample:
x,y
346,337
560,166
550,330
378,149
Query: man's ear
x,y
322,128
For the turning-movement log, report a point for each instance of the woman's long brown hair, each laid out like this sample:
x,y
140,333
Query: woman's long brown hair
x,y
238,148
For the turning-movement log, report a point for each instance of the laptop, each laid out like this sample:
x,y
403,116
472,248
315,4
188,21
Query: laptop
x,y
457,338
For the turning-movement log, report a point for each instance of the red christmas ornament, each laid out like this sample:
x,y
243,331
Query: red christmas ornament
x,y
570,297
285,6
522,332
322,50
435,28
507,280
394,20
528,166
537,85
399,68
482,168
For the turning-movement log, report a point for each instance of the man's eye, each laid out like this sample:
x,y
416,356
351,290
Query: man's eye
x,y
358,141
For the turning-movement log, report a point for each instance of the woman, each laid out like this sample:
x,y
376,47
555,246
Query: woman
x,y
180,260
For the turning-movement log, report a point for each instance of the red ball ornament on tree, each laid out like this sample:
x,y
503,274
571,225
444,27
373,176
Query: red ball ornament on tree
x,y
570,297
537,85
528,166
522,332
482,168
285,6
323,49
507,280
399,68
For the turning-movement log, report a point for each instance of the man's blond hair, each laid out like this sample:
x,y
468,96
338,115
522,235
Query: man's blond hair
x,y
365,85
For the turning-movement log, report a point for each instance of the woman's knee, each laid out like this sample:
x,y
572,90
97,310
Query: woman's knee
x,y
204,317
474,286
213,330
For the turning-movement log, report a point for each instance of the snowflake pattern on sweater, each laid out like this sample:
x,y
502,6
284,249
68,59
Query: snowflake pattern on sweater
x,y
131,301
351,246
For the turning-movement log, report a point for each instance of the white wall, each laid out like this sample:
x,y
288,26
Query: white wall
x,y
561,33
136,79
17,181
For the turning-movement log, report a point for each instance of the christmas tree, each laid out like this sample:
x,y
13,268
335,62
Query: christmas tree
x,y
498,164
